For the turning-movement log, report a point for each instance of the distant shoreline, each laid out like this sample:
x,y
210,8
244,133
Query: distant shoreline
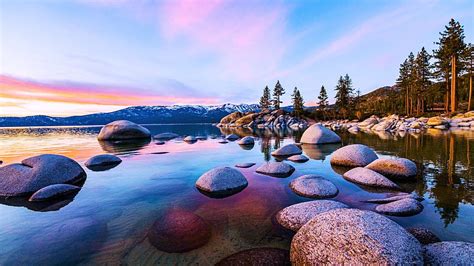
x,y
85,126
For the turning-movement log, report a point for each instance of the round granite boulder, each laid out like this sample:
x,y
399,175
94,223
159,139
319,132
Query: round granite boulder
x,y
248,140
449,253
395,198
403,207
295,216
221,182
287,150
257,257
399,168
313,186
179,231
357,237
232,137
244,165
423,235
277,169
123,129
367,177
102,162
37,172
298,158
166,136
54,191
190,139
354,155
318,134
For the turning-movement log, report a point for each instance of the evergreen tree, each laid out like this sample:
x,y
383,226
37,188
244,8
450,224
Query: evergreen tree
x,y
344,94
323,99
451,50
298,103
403,82
277,93
265,102
422,77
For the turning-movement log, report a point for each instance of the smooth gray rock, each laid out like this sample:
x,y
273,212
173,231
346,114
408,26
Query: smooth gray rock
x,y
54,191
449,253
354,237
103,160
395,198
244,165
403,207
369,178
287,150
166,136
298,158
222,181
399,168
278,169
37,172
123,129
423,235
190,139
248,140
232,137
295,216
318,134
354,155
313,186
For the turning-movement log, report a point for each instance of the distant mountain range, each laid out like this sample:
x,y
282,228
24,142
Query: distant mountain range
x,y
137,114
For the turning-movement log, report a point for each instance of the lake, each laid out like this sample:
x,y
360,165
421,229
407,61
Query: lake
x,y
126,200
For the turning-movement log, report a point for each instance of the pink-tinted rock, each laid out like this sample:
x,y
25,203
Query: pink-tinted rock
x,y
257,257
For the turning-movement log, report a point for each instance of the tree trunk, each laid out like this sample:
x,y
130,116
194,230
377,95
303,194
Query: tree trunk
x,y
453,84
469,106
446,102
406,103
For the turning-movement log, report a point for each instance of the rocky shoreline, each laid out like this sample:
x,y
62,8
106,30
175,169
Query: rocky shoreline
x,y
265,119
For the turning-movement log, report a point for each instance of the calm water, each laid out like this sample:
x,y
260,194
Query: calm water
x,y
126,200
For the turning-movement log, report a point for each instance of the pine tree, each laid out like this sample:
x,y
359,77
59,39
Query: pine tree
x,y
470,62
265,102
403,82
298,103
411,80
277,93
344,94
323,99
451,50
422,77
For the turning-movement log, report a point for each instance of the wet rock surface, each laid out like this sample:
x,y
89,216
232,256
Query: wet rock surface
x,y
277,169
298,158
222,181
423,235
403,207
247,141
287,150
313,186
244,165
318,134
53,192
355,155
369,178
102,162
449,253
123,129
166,136
400,168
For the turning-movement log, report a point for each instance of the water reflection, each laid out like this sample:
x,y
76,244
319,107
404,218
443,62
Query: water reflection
x,y
123,146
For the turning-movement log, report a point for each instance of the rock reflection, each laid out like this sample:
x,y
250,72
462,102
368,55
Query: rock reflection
x,y
39,206
123,146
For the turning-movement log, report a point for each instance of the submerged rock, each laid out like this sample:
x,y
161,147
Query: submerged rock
x,y
123,129
369,178
400,168
223,141
287,150
295,216
277,169
351,236
248,140
190,139
179,231
244,165
102,162
449,253
353,155
257,257
232,137
298,158
423,235
222,181
395,198
53,192
159,142
313,186
318,134
403,207
166,136
37,172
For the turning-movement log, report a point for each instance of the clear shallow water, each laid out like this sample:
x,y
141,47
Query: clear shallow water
x,y
126,200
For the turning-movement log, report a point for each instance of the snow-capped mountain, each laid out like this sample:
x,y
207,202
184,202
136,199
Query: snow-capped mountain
x,y
138,114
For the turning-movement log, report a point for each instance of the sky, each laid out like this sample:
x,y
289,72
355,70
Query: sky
x,y
71,57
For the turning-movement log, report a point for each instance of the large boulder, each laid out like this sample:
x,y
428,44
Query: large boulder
x,y
355,237
166,136
245,120
399,168
277,169
35,173
403,207
222,181
313,186
449,253
436,121
123,129
367,177
354,155
102,162
257,257
179,231
248,140
318,134
54,191
231,118
232,137
295,216
287,150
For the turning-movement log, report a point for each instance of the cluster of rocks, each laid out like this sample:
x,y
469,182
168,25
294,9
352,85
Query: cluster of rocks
x,y
396,123
265,119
